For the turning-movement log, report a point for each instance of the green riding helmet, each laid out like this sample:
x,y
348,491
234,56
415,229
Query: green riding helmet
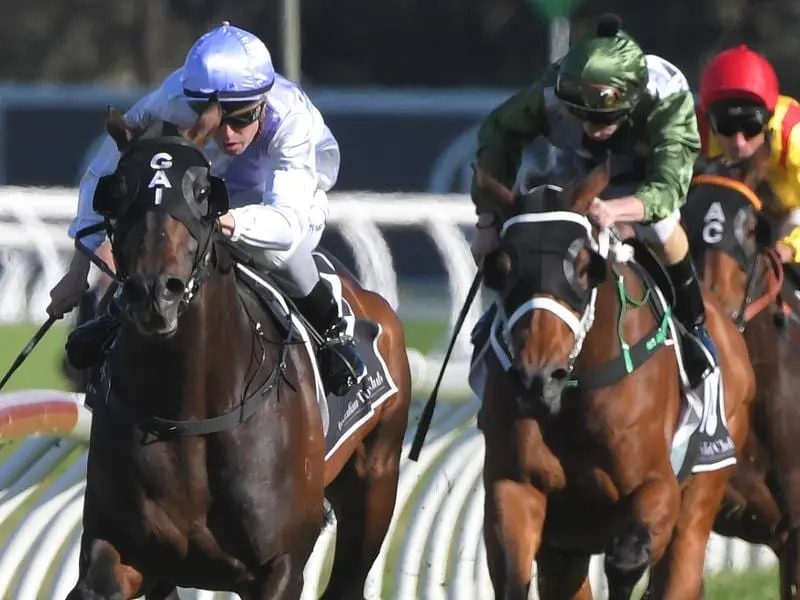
x,y
603,75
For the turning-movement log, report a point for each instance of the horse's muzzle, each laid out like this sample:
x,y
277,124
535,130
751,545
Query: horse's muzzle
x,y
153,303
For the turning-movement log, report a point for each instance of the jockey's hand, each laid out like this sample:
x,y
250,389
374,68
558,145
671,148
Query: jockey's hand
x,y
785,251
68,292
227,224
485,241
605,213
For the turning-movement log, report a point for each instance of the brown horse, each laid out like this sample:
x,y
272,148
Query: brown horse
x,y
730,237
207,458
577,439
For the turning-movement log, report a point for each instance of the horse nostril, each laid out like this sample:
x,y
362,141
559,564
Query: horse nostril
x,y
134,292
174,285
559,374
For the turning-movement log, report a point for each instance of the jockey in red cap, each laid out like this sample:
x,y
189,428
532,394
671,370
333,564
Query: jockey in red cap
x,y
740,110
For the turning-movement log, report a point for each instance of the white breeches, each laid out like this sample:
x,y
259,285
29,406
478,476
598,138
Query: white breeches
x,y
296,233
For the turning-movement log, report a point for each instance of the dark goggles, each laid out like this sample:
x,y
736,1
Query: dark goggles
x,y
235,114
591,96
750,122
597,118
591,102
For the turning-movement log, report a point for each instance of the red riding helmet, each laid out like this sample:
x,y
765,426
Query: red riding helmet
x,y
739,72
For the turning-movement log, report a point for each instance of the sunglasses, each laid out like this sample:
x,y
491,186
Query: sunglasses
x,y
235,114
749,125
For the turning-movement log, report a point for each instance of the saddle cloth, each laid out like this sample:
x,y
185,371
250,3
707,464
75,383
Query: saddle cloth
x,y
341,416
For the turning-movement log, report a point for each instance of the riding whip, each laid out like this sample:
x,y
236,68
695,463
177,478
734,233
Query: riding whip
x,y
93,258
427,413
28,349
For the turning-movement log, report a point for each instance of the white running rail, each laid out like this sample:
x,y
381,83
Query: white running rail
x,y
35,250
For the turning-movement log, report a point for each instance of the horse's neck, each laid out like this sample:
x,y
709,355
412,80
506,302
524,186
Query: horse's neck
x,y
172,375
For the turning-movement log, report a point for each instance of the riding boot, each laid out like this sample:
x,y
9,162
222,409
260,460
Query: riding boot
x,y
690,311
340,362
88,343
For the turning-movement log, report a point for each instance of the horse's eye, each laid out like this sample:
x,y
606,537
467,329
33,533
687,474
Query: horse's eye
x,y
202,194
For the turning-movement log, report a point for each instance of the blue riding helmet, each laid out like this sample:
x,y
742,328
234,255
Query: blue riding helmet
x,y
230,61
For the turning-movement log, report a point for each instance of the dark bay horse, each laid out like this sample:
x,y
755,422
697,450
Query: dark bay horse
x,y
206,464
577,443
731,236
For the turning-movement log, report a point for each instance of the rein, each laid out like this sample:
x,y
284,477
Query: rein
x,y
774,275
732,184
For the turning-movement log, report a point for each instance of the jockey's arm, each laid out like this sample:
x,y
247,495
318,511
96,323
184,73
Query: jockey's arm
x,y
675,142
788,247
104,162
789,244
504,133
291,189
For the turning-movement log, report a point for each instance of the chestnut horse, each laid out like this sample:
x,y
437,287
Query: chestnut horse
x,y
577,438
730,238
207,462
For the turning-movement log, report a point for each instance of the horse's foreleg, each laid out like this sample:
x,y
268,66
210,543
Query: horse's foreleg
x,y
562,575
512,530
679,574
647,517
103,576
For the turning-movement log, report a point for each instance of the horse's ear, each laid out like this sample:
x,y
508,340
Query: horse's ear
x,y
493,188
207,123
580,195
122,133
757,167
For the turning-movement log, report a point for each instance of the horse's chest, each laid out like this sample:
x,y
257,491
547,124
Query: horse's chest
x,y
170,515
